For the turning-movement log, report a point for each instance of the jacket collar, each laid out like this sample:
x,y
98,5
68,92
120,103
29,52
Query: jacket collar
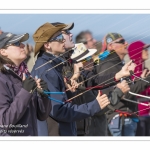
x,y
111,56
55,60
49,56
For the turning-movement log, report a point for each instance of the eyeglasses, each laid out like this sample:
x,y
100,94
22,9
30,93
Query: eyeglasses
x,y
14,44
147,48
90,40
122,41
58,38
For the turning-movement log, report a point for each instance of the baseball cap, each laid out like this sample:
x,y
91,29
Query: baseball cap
x,y
7,38
110,37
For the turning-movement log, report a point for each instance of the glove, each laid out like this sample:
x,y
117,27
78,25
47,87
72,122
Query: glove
x,y
29,84
43,85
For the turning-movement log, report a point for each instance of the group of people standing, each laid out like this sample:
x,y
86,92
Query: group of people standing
x,y
73,89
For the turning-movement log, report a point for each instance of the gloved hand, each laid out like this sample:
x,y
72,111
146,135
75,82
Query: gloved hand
x,y
29,84
43,85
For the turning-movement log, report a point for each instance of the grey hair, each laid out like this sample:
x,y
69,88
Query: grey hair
x,y
80,38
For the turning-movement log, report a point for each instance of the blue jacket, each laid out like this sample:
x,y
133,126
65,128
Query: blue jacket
x,y
65,114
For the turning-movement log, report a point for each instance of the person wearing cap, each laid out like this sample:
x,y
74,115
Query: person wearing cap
x,y
141,50
80,53
117,46
49,43
20,104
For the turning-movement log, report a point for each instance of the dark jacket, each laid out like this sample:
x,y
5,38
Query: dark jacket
x,y
67,71
137,87
18,108
95,125
98,125
65,114
86,126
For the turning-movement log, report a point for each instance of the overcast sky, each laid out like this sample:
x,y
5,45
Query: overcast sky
x,y
131,26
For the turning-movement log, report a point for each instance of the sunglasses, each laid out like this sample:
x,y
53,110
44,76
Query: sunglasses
x,y
122,41
14,44
58,38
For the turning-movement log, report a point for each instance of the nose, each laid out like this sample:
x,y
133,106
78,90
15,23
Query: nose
x,y
22,45
63,40
71,34
94,40
126,43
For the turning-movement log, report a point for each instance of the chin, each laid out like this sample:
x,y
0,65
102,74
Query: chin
x,y
145,58
22,60
24,56
62,51
70,46
126,51
73,45
93,47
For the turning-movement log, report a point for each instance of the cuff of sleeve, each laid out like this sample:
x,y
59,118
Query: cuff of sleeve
x,y
25,93
95,107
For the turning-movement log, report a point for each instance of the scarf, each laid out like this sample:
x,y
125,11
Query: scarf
x,y
19,70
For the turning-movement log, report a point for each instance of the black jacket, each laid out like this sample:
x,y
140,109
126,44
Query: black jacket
x,y
67,71
95,125
137,87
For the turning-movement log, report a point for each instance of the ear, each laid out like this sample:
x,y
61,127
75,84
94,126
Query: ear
x,y
110,46
47,45
3,52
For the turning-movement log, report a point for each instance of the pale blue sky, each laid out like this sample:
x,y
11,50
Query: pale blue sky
x,y
131,26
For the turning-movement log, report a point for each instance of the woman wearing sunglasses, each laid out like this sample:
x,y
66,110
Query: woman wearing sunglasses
x,y
50,45
20,105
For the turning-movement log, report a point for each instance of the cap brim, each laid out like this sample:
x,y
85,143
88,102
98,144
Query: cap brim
x,y
91,52
21,38
69,26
